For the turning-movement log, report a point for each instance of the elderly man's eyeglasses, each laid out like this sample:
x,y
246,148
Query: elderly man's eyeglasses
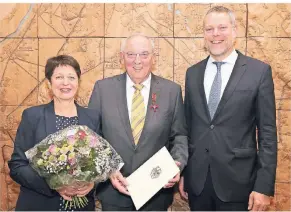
x,y
143,55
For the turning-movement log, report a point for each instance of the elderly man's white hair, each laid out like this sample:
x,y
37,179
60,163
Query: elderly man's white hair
x,y
124,42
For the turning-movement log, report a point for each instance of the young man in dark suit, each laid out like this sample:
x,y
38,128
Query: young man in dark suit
x,y
228,96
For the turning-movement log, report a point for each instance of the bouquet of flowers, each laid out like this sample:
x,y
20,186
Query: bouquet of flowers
x,y
74,155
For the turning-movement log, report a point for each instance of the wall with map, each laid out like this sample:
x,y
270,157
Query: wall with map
x,y
31,33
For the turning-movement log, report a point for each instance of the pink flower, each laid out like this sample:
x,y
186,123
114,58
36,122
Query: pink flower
x,y
52,148
82,134
72,161
71,140
93,142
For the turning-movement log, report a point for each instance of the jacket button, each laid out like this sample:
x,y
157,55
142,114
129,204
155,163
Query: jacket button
x,y
206,150
211,126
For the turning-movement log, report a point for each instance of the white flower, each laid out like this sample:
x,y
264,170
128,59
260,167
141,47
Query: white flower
x,y
71,132
84,150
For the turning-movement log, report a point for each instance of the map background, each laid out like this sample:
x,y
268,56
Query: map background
x,y
31,33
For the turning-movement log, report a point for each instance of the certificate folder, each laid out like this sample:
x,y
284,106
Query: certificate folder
x,y
150,177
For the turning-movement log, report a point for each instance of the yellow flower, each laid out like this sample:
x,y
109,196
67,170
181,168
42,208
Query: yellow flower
x,y
71,148
63,157
51,158
40,162
64,150
71,155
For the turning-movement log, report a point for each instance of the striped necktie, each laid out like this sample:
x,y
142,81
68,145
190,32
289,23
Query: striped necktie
x,y
137,113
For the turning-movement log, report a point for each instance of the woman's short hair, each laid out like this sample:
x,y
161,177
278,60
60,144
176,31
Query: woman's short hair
x,y
61,60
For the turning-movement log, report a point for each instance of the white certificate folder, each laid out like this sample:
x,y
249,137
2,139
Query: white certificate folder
x,y
150,177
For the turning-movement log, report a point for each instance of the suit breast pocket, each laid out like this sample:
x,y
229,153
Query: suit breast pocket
x,y
164,115
243,92
159,121
243,97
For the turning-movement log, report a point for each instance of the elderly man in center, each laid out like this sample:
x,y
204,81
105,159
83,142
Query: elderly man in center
x,y
139,113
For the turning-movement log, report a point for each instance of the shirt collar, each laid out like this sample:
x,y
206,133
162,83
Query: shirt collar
x,y
146,83
230,59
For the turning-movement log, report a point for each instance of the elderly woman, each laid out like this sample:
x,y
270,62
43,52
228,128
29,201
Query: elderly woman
x,y
63,72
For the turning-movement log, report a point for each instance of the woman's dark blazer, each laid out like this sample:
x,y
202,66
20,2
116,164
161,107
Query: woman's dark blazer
x,y
36,124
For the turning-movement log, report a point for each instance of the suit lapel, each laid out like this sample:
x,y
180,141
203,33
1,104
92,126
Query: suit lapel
x,y
50,119
122,106
237,72
155,89
201,90
82,116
